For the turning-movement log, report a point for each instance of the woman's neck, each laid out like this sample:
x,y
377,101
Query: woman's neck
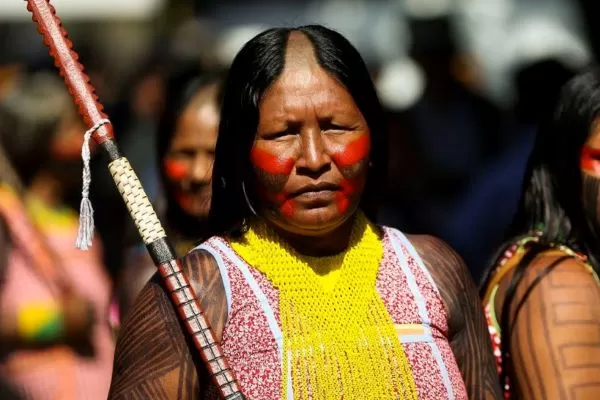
x,y
331,243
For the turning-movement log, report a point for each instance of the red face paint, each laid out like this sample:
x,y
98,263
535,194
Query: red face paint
x,y
270,163
354,152
185,201
286,206
175,170
590,160
349,187
273,165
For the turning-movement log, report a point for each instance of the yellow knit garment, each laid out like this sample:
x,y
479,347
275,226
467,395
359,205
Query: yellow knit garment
x,y
339,340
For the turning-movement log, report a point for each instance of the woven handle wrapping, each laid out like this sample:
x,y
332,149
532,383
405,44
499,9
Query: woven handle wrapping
x,y
141,210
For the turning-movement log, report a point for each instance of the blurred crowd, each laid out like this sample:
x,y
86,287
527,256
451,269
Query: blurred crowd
x,y
464,85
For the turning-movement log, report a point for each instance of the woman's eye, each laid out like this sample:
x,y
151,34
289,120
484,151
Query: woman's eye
x,y
333,127
277,135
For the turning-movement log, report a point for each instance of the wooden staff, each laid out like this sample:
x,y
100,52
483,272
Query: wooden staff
x,y
137,202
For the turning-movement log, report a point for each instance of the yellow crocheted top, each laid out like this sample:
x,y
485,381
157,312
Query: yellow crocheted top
x,y
339,339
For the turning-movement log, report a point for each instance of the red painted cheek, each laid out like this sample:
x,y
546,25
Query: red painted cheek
x,y
176,170
590,160
349,187
185,201
286,206
353,152
270,163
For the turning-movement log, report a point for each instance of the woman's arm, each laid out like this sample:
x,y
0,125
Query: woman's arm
x,y
154,358
555,343
469,337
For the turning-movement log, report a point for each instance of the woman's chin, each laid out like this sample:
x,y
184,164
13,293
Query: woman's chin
x,y
314,221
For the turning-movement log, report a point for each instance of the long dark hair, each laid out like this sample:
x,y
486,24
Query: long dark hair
x,y
550,202
254,69
181,87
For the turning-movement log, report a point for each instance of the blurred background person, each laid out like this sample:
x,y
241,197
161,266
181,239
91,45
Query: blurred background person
x,y
43,144
542,291
186,139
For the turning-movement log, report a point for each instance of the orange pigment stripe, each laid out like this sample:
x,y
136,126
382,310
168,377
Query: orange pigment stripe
x,y
409,329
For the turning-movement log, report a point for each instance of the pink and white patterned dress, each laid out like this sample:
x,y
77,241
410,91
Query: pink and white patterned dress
x,y
252,338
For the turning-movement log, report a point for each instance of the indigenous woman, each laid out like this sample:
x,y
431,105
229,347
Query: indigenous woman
x,y
309,298
42,136
542,294
187,136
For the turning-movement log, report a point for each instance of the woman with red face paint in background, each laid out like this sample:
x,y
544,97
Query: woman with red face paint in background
x,y
542,293
187,135
308,297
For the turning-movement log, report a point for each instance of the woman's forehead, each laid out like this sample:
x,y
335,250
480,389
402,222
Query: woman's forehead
x,y
306,88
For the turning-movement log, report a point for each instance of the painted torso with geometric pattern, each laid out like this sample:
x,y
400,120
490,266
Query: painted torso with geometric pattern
x,y
252,338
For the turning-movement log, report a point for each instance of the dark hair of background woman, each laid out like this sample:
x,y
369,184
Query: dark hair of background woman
x,y
254,69
181,87
552,187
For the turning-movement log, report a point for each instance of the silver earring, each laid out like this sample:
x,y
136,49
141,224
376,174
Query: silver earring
x,y
248,200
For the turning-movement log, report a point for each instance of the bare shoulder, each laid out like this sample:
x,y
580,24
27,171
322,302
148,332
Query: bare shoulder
x,y
205,277
555,315
153,357
443,263
450,274
467,329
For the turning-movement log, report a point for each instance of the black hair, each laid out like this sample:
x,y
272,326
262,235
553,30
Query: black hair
x,y
181,87
550,202
258,64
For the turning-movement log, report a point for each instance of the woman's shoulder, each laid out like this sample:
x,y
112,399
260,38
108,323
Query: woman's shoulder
x,y
563,266
202,269
441,261
542,262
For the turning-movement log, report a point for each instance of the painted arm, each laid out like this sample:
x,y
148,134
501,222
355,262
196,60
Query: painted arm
x,y
468,335
153,358
555,344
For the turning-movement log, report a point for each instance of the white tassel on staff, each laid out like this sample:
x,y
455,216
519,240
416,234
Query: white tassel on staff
x,y
85,232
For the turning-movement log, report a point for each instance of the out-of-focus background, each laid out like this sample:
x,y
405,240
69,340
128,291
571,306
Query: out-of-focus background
x,y
464,83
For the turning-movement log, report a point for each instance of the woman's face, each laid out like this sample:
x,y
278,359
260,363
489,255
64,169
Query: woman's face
x,y
311,151
590,169
189,160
